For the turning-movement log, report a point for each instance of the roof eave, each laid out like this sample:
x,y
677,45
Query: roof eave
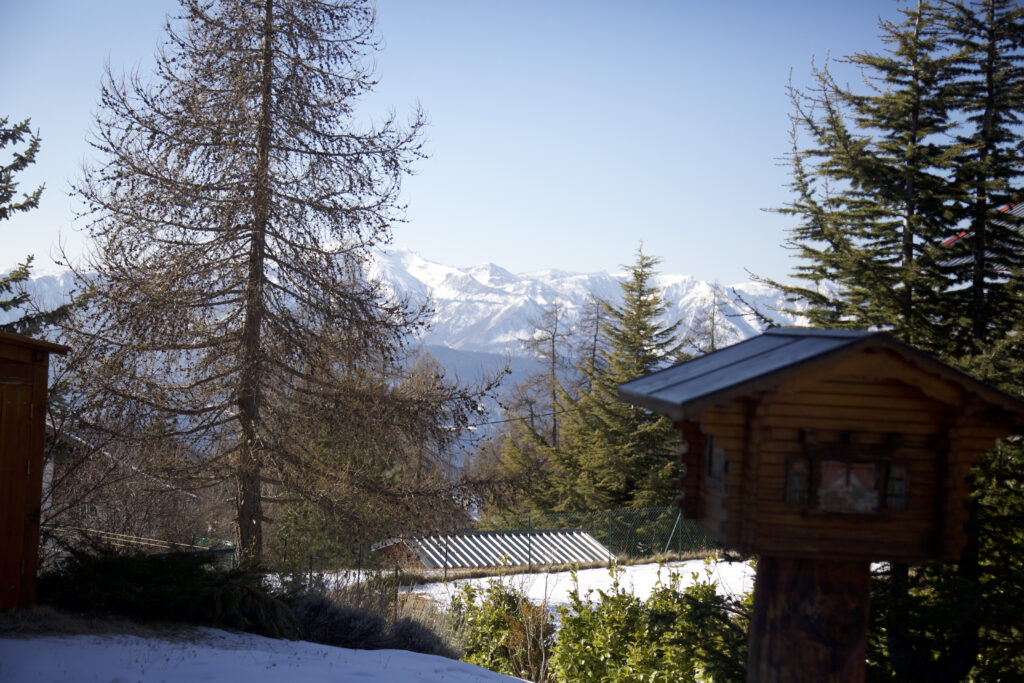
x,y
692,409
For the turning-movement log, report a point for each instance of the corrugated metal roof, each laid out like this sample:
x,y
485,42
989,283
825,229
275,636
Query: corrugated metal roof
x,y
504,548
685,389
1015,210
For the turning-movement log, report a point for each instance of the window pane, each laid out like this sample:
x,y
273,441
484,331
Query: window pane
x,y
848,487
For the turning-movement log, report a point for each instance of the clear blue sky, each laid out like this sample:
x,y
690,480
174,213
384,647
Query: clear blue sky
x,y
562,133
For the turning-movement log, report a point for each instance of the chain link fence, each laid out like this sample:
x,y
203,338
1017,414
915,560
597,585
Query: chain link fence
x,y
628,533
57,540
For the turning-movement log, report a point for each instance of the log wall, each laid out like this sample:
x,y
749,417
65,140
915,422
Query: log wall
x,y
891,421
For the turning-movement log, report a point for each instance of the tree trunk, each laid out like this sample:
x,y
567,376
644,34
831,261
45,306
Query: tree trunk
x,y
979,295
810,621
249,504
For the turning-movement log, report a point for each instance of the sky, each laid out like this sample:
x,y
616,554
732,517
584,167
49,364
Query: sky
x,y
562,134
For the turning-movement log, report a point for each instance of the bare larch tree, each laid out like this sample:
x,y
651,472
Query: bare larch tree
x,y
231,215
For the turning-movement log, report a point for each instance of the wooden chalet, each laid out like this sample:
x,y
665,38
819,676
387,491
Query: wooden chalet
x,y
822,451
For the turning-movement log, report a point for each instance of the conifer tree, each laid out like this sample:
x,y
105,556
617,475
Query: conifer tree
x,y
612,454
888,176
871,190
987,40
548,345
11,204
231,217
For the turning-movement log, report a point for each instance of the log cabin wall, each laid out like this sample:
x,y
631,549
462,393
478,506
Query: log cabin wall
x,y
724,429
836,444
973,433
745,504
880,424
692,478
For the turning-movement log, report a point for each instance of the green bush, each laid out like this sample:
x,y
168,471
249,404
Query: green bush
x,y
691,634
607,639
501,630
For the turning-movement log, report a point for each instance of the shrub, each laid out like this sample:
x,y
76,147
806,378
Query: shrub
x,y
189,588
412,634
501,630
692,634
177,586
607,639
323,621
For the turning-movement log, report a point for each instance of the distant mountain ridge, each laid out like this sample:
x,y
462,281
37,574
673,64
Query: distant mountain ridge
x,y
482,313
486,309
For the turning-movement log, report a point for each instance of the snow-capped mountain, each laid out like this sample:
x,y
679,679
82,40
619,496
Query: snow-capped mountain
x,y
485,311
486,308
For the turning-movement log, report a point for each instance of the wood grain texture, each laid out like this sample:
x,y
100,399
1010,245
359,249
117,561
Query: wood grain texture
x,y
809,621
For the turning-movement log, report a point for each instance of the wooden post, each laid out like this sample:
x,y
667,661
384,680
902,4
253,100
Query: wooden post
x,y
810,621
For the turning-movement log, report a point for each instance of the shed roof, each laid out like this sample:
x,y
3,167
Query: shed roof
x,y
758,363
504,548
30,343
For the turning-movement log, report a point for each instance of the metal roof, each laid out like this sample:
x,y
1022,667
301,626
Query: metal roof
x,y
1015,210
684,390
504,548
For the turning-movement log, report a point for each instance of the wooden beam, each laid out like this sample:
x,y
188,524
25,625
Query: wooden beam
x,y
810,621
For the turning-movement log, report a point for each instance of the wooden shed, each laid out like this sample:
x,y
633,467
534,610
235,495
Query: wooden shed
x,y
23,380
822,451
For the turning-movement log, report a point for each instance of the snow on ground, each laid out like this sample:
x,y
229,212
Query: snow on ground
x,y
732,578
215,655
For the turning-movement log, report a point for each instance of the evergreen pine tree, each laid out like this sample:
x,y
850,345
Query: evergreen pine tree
x,y
932,157
613,454
987,40
10,296
871,191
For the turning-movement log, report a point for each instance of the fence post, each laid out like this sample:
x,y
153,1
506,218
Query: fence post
x,y
529,543
608,516
668,543
396,595
446,537
680,546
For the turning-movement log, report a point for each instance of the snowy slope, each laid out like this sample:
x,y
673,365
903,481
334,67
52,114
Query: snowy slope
x,y
215,655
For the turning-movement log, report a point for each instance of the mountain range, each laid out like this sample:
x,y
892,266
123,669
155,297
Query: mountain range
x,y
482,313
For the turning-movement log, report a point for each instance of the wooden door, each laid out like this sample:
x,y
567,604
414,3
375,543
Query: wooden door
x,y
19,495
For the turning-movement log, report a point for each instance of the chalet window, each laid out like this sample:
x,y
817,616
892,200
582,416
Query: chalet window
x,y
798,480
831,481
896,493
849,487
715,465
